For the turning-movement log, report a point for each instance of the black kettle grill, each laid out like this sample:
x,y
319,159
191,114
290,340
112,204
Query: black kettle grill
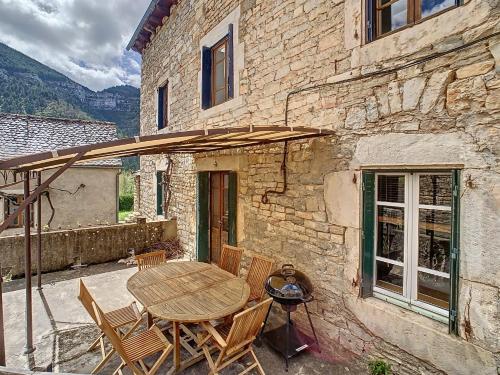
x,y
290,288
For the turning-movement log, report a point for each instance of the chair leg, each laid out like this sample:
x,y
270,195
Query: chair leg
x,y
160,360
210,361
119,369
101,364
95,343
261,370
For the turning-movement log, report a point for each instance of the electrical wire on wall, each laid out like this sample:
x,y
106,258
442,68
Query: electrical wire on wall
x,y
377,73
265,198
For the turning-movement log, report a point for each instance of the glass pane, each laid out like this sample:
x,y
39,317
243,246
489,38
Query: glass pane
x,y
390,232
433,289
394,16
391,188
430,7
220,54
220,76
434,234
390,277
435,190
220,97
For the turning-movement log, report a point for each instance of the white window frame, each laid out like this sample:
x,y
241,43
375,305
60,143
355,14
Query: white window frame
x,y
411,233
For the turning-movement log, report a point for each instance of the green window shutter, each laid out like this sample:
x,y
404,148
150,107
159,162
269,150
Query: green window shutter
x,y
202,216
232,205
159,193
368,235
455,252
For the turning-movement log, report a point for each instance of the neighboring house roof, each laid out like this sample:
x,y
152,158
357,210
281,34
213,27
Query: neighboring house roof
x,y
150,21
23,135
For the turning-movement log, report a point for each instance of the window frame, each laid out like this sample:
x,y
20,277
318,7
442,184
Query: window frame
x,y
208,66
223,42
369,246
163,106
413,17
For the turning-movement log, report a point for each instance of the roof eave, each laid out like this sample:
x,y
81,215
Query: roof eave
x,y
132,44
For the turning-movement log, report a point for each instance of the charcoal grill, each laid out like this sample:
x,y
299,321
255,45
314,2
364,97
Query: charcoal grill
x,y
290,288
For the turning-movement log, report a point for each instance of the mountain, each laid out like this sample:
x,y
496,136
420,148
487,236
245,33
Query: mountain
x,y
29,87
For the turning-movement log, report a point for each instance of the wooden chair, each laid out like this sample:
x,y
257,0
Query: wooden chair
x,y
235,342
230,259
117,319
152,259
134,349
260,269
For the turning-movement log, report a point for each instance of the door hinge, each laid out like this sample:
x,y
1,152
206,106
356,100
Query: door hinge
x,y
454,253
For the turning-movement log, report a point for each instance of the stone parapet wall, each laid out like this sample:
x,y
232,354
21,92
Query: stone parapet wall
x,y
62,249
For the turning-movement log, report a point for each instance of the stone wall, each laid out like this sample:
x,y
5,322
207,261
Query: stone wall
x,y
441,113
62,249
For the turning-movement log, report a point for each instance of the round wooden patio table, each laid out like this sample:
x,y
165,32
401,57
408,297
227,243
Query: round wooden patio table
x,y
188,292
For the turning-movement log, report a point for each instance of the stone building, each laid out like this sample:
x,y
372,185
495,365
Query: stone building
x,y
85,195
395,217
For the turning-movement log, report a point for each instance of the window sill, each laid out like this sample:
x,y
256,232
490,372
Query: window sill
x,y
438,315
221,108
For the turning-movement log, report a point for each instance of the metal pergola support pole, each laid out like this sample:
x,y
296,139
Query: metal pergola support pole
x,y
39,234
31,198
2,333
27,267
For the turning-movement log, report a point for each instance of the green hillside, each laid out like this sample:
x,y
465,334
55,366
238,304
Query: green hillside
x,y
29,87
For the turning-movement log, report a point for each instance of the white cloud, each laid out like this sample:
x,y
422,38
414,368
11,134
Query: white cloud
x,y
84,40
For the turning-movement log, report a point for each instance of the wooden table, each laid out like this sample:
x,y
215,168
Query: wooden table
x,y
188,292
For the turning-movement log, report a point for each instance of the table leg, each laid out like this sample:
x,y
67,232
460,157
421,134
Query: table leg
x,y
150,320
177,346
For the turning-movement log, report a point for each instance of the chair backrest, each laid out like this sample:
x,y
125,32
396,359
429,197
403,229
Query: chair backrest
x,y
230,259
259,270
152,259
87,300
246,326
113,337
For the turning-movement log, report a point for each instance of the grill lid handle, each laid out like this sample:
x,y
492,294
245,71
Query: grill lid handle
x,y
287,270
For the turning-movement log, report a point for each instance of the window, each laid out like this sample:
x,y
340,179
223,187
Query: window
x,y
159,193
410,238
218,72
163,107
386,16
11,204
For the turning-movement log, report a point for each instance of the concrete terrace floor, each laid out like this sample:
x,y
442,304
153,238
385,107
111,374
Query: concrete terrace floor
x,y
63,330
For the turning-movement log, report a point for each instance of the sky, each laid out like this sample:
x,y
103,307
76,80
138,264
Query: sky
x,y
83,39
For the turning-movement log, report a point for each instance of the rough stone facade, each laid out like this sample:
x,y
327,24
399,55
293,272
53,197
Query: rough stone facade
x,y
441,113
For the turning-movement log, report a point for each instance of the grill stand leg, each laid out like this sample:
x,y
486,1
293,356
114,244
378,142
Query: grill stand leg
x,y
287,338
312,327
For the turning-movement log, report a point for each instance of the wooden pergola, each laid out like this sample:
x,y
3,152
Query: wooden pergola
x,y
186,142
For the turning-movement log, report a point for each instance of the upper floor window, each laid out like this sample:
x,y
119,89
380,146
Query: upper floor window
x,y
386,16
163,106
219,81
218,72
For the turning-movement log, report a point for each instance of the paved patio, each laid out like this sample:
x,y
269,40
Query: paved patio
x,y
63,330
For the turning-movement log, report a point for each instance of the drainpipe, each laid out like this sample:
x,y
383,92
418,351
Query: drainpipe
x,y
2,334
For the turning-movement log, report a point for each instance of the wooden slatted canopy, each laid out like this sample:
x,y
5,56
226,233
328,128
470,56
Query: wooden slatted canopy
x,y
193,141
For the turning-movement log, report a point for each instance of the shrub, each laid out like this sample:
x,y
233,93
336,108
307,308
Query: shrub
x,y
126,202
379,367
